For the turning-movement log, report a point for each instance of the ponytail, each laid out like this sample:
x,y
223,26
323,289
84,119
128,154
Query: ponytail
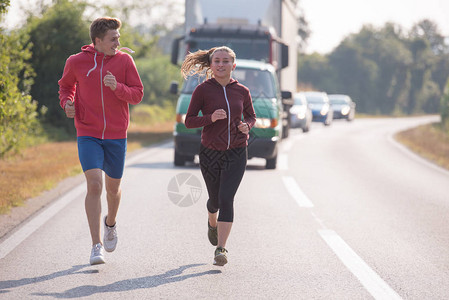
x,y
199,62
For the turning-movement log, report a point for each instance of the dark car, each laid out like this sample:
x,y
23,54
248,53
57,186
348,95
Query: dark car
x,y
320,106
300,113
343,106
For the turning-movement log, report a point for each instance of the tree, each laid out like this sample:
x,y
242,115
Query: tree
x,y
60,32
4,4
429,31
17,110
445,108
386,70
156,74
426,45
315,71
385,47
303,30
355,75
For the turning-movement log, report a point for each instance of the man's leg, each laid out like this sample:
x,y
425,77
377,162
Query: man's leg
x,y
113,196
93,202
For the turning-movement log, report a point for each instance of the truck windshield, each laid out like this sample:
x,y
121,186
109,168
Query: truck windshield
x,y
256,49
259,82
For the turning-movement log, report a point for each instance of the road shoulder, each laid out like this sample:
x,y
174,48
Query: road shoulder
x,y
33,206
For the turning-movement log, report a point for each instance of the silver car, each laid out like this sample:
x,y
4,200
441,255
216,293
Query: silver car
x,y
300,113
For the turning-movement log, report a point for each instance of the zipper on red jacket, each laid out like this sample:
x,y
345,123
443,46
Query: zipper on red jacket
x,y
229,118
102,99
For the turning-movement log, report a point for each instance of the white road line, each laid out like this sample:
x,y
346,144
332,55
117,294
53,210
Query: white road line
x,y
295,192
20,235
287,145
375,285
79,191
415,156
283,162
319,221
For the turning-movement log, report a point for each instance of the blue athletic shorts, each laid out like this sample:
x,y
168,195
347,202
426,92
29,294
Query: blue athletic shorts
x,y
107,155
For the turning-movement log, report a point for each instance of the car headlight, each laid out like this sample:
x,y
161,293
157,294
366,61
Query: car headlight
x,y
299,112
324,109
345,110
265,123
301,115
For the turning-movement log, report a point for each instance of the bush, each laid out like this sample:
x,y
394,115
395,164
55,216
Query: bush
x,y
144,114
18,116
157,73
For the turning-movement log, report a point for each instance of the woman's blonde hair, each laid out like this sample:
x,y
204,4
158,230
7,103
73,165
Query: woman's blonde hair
x,y
199,62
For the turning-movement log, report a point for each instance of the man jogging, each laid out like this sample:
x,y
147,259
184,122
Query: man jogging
x,y
96,88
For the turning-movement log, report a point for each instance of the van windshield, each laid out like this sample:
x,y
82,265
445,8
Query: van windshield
x,y
259,82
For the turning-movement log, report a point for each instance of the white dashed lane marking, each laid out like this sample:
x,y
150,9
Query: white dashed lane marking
x,y
375,285
296,192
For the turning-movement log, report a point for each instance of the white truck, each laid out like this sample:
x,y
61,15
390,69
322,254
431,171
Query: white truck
x,y
262,30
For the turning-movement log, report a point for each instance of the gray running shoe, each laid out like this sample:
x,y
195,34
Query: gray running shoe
x,y
212,234
110,237
97,254
220,256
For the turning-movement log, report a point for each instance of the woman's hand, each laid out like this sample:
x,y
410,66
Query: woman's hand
x,y
243,127
218,115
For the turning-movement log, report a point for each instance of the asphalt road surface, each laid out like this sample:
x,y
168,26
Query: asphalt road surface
x,y
348,214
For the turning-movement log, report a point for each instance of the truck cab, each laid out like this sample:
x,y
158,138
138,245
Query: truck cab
x,y
266,134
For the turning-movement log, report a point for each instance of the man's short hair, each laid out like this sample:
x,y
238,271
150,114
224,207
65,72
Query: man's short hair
x,y
100,27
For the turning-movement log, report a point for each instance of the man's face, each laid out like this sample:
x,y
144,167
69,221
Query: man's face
x,y
110,42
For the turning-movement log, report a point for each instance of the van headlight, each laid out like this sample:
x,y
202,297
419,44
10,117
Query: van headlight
x,y
265,123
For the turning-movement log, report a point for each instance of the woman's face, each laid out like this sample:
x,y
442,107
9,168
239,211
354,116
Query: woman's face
x,y
222,65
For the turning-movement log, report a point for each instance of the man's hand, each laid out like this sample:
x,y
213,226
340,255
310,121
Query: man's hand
x,y
110,81
243,127
69,109
218,115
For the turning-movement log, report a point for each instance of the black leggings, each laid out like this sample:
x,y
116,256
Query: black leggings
x,y
222,171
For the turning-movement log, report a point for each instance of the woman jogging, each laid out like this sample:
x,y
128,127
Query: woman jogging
x,y
224,138
96,88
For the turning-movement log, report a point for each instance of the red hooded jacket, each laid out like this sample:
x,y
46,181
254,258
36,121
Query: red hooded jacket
x,y
99,111
235,99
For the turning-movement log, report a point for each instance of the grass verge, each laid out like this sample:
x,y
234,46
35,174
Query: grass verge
x,y
41,167
430,141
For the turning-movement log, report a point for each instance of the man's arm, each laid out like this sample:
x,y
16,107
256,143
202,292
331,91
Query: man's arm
x,y
67,89
132,90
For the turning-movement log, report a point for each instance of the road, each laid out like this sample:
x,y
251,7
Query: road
x,y
348,214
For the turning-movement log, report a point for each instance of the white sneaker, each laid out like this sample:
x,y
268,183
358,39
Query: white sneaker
x,y
97,254
110,237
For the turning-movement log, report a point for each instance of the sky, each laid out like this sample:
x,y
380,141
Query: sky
x,y
332,20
